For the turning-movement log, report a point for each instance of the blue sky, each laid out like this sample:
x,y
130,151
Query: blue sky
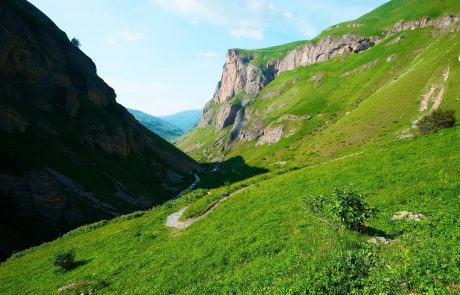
x,y
165,56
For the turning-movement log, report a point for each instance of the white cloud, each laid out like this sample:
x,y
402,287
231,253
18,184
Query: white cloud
x,y
196,10
208,54
247,33
287,15
124,36
245,16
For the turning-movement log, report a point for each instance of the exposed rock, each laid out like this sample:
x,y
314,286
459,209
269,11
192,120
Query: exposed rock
x,y
379,240
194,147
392,57
396,40
226,115
408,216
239,74
68,287
207,116
405,136
289,117
252,132
442,23
317,78
272,94
68,158
271,135
355,25
325,49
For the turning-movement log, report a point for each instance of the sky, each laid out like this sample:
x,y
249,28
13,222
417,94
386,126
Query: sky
x,y
166,56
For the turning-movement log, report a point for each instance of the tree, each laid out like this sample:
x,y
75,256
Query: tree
x,y
65,260
436,120
75,42
350,209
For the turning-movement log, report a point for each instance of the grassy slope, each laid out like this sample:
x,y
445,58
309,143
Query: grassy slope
x,y
373,24
263,240
363,107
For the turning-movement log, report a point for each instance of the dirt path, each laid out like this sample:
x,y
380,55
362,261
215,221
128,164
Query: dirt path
x,y
173,219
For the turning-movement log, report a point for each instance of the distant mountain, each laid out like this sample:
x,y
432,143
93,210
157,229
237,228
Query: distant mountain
x,y
161,127
69,153
185,120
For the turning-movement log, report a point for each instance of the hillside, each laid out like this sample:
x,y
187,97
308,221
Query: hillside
x,y
289,131
358,83
263,240
185,120
159,126
69,153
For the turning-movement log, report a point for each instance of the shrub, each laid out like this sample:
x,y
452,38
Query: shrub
x,y
350,209
346,273
75,42
65,260
436,120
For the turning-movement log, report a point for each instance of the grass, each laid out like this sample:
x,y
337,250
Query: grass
x,y
261,57
262,240
348,112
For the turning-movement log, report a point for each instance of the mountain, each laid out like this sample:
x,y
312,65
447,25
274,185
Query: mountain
x,y
185,120
304,137
161,127
358,82
69,153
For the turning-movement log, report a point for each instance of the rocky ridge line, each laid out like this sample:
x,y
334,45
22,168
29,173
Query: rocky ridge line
x,y
240,75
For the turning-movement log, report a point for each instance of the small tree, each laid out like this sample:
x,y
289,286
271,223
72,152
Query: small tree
x,y
350,209
65,260
436,120
75,42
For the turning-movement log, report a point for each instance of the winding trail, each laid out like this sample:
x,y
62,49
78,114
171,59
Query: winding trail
x,y
173,219
192,186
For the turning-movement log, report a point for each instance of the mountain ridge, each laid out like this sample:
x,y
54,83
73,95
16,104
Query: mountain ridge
x,y
70,154
233,120
161,127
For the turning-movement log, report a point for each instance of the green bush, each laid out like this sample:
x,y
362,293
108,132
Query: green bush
x,y
436,120
350,209
65,260
346,273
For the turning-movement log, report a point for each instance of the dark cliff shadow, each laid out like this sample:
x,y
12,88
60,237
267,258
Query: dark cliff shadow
x,y
227,172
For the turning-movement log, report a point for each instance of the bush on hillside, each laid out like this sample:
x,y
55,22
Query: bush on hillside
x,y
346,273
436,120
350,208
65,260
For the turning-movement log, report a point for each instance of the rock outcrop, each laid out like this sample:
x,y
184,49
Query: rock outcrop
x,y
69,153
241,75
327,48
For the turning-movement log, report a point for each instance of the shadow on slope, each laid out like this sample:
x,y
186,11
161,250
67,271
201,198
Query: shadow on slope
x,y
227,172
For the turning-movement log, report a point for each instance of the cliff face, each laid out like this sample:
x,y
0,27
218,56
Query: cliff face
x,y
69,153
241,76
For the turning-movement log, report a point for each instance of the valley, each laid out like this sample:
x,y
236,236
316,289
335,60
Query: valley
x,y
327,166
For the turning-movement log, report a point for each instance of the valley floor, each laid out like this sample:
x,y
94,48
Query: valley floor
x,y
263,240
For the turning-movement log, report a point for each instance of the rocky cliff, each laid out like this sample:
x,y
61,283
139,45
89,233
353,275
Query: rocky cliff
x,y
242,75
69,153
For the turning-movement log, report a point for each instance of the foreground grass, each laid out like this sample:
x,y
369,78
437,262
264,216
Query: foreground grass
x,y
262,240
